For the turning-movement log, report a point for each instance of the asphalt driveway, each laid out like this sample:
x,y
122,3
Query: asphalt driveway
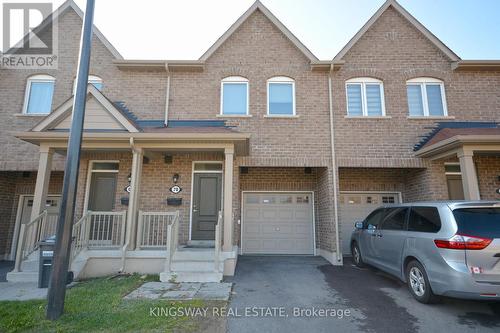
x,y
287,293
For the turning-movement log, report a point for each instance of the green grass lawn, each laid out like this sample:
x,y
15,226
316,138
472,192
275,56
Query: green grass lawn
x,y
96,306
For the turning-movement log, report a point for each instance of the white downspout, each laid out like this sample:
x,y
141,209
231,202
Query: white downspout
x,y
167,99
334,168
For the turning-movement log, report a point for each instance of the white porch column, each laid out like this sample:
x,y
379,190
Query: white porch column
x,y
39,197
228,199
133,203
469,175
42,181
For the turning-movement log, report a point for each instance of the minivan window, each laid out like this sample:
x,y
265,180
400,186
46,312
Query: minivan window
x,y
374,218
424,219
394,218
479,222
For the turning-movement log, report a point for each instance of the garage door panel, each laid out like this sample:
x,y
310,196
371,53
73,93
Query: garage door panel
x,y
252,214
280,223
355,207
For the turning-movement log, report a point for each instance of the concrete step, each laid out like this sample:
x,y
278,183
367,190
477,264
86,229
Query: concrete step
x,y
194,265
25,276
190,276
193,255
30,265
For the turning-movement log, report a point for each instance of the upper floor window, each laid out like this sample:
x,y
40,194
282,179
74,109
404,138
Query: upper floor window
x,y
39,93
281,96
96,81
365,97
234,96
426,97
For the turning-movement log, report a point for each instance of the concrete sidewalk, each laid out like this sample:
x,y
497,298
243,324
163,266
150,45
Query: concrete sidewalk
x,y
21,291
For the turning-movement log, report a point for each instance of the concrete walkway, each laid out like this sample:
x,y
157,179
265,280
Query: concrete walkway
x,y
209,291
21,291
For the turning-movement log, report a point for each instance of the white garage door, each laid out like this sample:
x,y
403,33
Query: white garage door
x,y
277,223
355,207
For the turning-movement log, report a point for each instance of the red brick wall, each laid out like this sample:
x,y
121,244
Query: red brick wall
x,y
295,179
7,190
488,171
394,51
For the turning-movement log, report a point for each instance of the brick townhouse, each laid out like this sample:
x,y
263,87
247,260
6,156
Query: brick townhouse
x,y
257,147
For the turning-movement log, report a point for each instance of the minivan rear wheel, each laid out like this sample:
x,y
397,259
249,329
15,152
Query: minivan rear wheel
x,y
356,255
418,283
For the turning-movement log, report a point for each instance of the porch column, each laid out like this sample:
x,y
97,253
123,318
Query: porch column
x,y
228,199
42,181
469,175
39,197
133,203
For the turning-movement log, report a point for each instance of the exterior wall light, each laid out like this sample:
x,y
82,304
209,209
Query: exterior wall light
x,y
175,178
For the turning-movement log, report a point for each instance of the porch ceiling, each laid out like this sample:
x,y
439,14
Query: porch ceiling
x,y
482,143
199,140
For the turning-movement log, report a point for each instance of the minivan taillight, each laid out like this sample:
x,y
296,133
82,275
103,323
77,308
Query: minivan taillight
x,y
463,242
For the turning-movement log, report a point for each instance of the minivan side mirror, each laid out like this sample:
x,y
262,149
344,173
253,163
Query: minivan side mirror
x,y
359,225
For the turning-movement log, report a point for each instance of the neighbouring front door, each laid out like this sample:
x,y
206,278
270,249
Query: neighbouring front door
x,y
455,187
102,192
102,199
207,191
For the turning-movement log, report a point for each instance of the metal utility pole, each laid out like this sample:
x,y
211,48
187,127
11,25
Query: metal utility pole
x,y
57,286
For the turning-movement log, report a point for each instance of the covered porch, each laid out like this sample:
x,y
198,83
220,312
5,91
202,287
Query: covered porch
x,y
142,198
476,146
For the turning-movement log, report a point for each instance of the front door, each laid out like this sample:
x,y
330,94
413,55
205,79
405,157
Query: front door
x,y
207,191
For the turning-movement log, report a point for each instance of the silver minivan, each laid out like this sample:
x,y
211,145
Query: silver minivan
x,y
438,248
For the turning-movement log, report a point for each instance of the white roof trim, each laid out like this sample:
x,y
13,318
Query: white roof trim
x,y
66,108
259,6
71,4
419,26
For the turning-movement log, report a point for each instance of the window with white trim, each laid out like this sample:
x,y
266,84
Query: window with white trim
x,y
365,97
426,97
96,81
234,96
280,96
39,93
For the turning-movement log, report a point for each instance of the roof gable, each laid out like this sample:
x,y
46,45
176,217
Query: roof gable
x,y
260,7
67,5
100,115
412,20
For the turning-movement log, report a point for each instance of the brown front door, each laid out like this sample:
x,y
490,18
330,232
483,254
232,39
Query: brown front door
x,y
455,187
207,191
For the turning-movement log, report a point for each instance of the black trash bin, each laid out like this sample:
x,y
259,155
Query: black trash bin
x,y
46,249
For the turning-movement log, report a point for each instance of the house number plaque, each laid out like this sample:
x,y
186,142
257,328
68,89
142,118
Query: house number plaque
x,y
175,189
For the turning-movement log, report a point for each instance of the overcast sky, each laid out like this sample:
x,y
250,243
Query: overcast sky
x,y
185,29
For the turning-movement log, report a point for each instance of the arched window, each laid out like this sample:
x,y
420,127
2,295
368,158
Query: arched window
x,y
234,96
96,81
365,97
426,97
280,96
39,93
